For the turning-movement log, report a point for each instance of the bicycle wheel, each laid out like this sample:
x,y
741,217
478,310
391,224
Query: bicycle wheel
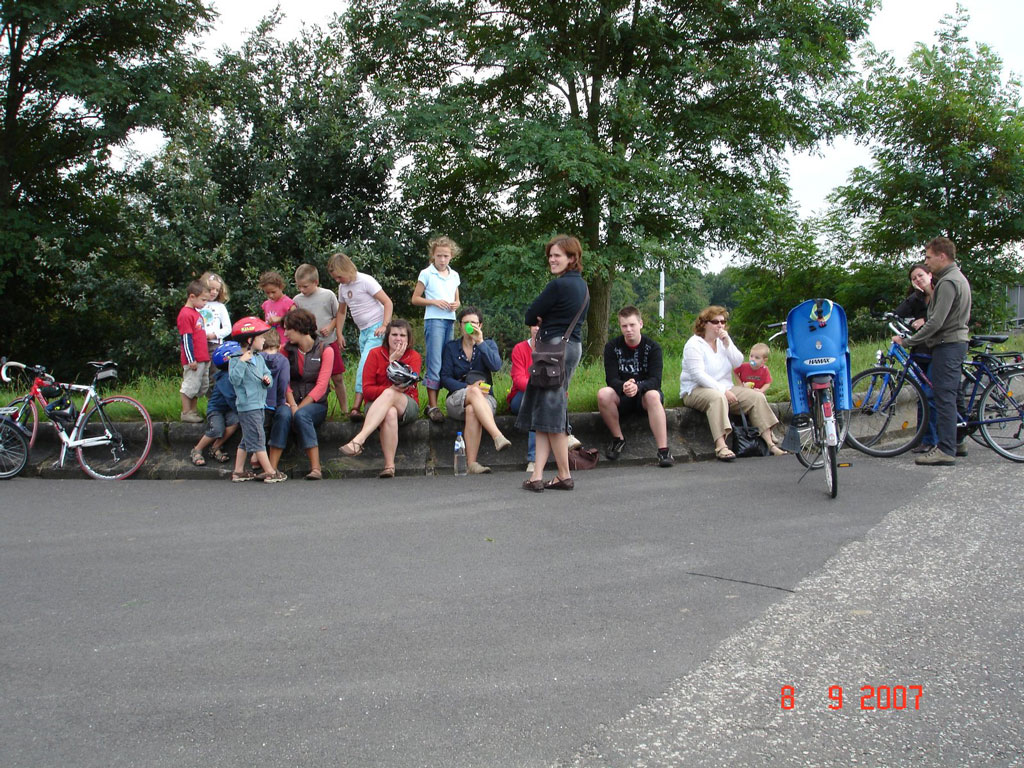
x,y
831,463
889,415
13,449
27,416
810,454
1001,410
972,387
129,435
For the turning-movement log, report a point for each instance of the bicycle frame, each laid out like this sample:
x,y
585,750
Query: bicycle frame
x,y
70,438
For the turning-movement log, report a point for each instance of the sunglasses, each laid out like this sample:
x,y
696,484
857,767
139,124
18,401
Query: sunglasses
x,y
716,322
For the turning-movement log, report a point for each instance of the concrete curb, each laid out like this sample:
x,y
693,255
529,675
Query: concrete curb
x,y
424,448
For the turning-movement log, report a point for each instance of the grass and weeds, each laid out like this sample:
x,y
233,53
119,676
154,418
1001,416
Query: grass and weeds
x,y
161,398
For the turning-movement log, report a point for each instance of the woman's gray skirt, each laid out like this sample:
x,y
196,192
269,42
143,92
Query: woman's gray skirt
x,y
547,410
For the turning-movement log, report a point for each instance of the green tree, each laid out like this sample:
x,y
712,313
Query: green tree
x,y
76,78
653,126
279,163
947,138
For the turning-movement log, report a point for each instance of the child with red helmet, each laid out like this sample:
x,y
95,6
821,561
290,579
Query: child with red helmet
x,y
251,378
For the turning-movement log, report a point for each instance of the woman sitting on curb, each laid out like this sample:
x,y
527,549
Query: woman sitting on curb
x,y
466,367
391,404
705,383
310,362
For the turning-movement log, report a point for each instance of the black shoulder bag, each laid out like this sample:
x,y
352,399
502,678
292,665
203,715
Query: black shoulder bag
x,y
547,371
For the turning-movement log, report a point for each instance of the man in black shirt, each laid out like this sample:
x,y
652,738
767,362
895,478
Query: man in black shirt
x,y
632,370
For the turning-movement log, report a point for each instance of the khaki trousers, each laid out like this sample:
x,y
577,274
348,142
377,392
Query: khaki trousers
x,y
713,403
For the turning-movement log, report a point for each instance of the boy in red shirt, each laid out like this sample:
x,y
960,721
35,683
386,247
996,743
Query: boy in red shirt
x,y
755,374
195,354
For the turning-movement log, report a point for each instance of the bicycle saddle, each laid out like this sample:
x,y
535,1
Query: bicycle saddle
x,y
104,365
977,341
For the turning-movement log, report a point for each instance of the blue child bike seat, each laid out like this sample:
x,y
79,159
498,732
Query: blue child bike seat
x,y
818,345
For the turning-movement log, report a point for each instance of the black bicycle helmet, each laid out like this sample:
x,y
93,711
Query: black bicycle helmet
x,y
401,374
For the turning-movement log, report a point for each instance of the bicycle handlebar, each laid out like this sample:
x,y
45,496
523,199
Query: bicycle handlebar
x,y
35,370
898,325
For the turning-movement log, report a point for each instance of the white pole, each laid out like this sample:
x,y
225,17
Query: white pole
x,y
661,295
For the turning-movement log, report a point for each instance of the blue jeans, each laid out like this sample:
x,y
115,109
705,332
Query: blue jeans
x,y
436,332
367,342
931,435
304,423
944,373
531,444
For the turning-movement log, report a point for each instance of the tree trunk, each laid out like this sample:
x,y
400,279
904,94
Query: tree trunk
x,y
598,280
600,284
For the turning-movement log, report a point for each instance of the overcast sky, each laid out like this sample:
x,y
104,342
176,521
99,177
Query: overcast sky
x,y
895,28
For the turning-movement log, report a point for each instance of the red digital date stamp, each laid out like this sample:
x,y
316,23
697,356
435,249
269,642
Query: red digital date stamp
x,y
873,697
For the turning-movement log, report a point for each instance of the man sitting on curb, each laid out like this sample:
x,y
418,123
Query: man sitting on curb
x,y
632,370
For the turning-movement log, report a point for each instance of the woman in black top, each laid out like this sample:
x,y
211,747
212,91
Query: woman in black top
x,y
915,306
545,411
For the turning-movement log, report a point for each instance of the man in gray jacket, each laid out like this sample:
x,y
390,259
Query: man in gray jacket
x,y
945,334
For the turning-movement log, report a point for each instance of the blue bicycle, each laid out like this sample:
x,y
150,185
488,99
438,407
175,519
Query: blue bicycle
x,y
818,367
890,400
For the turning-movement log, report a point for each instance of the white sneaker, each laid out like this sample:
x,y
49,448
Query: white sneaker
x,y
529,467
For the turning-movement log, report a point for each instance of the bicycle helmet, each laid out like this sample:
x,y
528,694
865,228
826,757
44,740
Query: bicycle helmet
x,y
224,351
401,374
248,327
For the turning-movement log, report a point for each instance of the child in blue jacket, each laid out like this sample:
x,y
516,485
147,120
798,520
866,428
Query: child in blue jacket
x,y
251,378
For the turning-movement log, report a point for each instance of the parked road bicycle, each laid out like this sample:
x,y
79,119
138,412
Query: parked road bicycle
x,y
890,405
111,436
818,367
13,445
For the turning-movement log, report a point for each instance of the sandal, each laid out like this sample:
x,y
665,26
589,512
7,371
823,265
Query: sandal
x,y
242,477
774,450
355,415
435,415
315,474
222,456
537,486
386,473
197,458
724,454
348,450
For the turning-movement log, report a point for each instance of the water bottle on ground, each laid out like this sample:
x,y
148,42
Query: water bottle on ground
x,y
461,467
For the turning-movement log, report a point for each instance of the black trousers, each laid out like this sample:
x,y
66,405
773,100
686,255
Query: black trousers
x,y
944,373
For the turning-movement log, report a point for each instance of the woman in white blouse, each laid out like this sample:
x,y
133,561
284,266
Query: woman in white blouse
x,y
705,383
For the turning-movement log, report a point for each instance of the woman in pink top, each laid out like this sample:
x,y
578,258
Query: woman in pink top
x,y
310,362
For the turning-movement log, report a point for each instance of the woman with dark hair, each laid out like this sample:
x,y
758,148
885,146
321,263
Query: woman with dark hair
x,y
915,309
545,411
915,305
390,405
310,362
705,383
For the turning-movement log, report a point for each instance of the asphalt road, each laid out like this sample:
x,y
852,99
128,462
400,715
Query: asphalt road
x,y
650,617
